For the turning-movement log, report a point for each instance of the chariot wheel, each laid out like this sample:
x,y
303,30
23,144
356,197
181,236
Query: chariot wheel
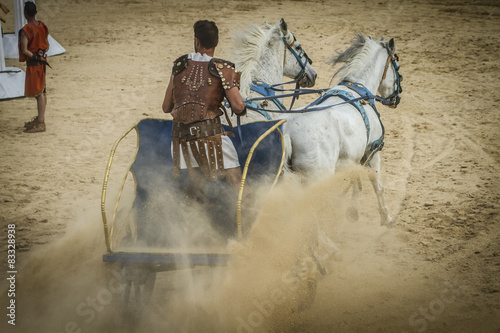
x,y
139,283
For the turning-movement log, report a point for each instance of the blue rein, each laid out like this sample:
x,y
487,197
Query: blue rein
x,y
325,94
268,92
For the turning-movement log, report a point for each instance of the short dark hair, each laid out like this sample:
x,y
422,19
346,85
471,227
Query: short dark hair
x,y
207,32
30,8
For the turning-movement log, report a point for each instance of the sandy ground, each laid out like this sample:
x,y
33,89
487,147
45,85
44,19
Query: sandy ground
x,y
437,270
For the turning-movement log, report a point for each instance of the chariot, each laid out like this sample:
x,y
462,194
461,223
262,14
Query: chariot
x,y
142,243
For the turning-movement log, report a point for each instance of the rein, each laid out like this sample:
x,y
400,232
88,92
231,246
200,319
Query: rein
x,y
393,99
324,94
365,95
268,91
303,65
347,97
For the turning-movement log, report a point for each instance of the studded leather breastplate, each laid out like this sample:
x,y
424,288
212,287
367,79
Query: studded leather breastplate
x,y
197,94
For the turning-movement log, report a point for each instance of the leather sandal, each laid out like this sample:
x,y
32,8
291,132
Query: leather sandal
x,y
37,127
30,123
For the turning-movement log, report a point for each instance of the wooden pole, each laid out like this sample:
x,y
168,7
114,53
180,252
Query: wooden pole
x,y
4,8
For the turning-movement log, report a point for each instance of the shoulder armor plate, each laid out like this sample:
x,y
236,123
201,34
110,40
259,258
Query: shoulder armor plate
x,y
216,65
226,71
179,64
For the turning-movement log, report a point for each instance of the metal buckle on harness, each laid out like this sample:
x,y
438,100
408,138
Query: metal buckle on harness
x,y
376,146
194,129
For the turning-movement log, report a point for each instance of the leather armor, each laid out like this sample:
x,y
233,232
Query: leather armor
x,y
197,95
199,88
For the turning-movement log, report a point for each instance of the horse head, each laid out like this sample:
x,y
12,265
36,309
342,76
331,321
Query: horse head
x,y
296,63
264,55
373,64
390,86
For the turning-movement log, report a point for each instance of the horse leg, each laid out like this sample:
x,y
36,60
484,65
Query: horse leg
x,y
385,218
352,211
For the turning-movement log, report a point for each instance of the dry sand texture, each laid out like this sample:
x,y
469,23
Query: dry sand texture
x,y
437,270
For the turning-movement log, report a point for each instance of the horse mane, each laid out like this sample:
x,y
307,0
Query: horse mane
x,y
355,57
247,48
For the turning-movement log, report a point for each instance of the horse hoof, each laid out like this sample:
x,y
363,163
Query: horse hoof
x,y
388,222
352,214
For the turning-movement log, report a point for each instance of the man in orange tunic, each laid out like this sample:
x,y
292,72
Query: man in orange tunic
x,y
33,45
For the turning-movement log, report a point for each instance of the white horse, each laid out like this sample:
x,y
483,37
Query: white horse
x,y
342,130
265,55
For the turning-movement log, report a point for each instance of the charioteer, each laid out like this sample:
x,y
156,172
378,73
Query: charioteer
x,y
194,97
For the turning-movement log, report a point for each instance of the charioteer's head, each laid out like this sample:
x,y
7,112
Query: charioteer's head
x,y
206,37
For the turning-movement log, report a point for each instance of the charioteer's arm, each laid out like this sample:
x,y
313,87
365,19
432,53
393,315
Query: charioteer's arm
x,y
234,98
168,101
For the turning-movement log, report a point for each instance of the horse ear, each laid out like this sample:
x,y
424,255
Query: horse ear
x,y
392,46
267,25
284,27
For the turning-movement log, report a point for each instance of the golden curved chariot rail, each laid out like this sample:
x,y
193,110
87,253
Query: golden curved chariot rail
x,y
108,232
107,235
247,163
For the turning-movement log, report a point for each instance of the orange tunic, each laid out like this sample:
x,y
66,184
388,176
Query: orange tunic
x,y
35,75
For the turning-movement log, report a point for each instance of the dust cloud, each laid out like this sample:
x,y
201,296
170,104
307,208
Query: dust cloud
x,y
300,266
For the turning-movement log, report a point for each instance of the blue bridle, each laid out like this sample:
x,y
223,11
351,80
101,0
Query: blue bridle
x,y
365,95
298,56
395,97
268,91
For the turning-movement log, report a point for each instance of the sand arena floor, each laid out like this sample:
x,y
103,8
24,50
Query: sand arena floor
x,y
437,270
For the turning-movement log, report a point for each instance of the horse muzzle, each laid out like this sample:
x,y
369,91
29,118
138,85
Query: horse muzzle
x,y
393,102
395,98
308,79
